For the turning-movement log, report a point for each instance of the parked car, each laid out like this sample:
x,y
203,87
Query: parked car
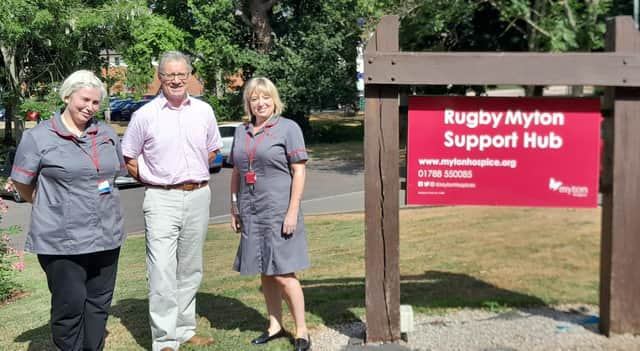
x,y
117,106
2,112
121,110
128,110
6,162
227,130
216,164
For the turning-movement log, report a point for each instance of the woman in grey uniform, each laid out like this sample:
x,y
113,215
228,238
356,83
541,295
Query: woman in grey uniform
x,y
267,183
66,167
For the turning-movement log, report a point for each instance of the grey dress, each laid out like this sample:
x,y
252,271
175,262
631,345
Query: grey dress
x,y
263,247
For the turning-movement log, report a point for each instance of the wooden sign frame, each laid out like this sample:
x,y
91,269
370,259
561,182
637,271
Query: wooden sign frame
x,y
617,69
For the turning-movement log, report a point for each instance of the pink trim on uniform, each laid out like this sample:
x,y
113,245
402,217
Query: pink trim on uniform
x,y
296,152
30,174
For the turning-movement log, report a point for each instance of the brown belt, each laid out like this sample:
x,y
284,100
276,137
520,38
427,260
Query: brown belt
x,y
181,186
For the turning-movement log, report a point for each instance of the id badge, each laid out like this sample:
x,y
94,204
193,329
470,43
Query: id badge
x,y
250,177
104,187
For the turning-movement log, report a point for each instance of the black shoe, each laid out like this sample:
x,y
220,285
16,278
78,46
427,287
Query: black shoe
x,y
302,344
265,337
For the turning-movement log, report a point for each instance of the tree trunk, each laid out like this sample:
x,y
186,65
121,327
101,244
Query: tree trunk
x,y
260,10
8,126
9,58
220,86
537,12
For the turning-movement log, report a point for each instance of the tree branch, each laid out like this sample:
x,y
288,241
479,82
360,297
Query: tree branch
x,y
567,8
242,15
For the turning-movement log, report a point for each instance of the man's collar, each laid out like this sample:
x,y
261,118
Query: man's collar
x,y
164,102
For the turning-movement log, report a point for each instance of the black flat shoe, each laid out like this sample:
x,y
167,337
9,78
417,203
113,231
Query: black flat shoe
x,y
302,344
265,337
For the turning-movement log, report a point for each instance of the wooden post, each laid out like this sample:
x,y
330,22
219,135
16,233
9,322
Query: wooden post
x,y
620,251
381,197
386,68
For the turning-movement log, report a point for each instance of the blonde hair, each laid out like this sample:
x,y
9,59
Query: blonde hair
x,y
81,79
265,86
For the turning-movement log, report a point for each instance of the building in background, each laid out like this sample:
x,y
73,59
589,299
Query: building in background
x,y
115,77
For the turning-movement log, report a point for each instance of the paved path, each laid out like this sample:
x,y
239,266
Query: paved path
x,y
331,187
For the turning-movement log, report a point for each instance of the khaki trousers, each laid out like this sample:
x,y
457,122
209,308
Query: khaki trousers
x,y
175,228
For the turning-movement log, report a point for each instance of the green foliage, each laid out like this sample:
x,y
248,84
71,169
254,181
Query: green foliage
x,y
46,103
313,58
457,25
219,46
558,26
151,36
228,107
8,255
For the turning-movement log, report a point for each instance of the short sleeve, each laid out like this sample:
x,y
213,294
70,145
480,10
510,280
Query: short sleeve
x,y
26,164
133,138
294,144
214,140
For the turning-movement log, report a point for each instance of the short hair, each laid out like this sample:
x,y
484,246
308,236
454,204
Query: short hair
x,y
81,79
265,86
171,56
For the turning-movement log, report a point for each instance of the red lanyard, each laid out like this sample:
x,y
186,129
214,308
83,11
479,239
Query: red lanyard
x,y
95,159
252,154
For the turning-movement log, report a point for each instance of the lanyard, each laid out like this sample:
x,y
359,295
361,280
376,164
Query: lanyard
x,y
95,159
252,154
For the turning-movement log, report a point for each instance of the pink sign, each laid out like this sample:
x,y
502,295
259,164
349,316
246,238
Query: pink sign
x,y
503,151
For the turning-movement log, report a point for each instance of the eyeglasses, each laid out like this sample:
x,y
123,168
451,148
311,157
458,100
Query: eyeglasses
x,y
172,76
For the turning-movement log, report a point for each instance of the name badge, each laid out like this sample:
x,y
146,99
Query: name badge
x,y
104,187
250,177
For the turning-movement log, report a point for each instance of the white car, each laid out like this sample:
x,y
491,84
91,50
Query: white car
x,y
227,130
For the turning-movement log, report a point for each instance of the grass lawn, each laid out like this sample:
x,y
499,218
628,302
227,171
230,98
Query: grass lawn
x,y
451,257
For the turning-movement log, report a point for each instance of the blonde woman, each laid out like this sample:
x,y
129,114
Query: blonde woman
x,y
267,183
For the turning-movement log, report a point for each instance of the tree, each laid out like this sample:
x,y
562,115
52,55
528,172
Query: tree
x,y
133,30
42,41
557,26
307,47
36,46
150,36
310,54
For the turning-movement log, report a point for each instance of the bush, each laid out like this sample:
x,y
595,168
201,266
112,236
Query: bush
x,y
226,108
46,105
11,260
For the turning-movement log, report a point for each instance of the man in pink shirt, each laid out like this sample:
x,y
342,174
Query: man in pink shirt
x,y
168,146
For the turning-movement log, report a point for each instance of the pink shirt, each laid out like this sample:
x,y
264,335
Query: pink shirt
x,y
172,144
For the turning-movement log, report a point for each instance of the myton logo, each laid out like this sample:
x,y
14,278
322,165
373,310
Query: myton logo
x,y
573,190
554,184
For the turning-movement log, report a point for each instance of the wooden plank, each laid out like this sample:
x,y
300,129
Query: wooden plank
x,y
381,198
421,68
620,262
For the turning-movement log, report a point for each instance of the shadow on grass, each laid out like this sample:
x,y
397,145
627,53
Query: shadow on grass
x,y
333,299
39,338
222,313
229,313
133,315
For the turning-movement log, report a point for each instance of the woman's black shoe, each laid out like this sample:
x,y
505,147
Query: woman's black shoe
x,y
301,344
265,337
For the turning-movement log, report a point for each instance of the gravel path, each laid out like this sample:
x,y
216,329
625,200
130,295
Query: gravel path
x,y
562,328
